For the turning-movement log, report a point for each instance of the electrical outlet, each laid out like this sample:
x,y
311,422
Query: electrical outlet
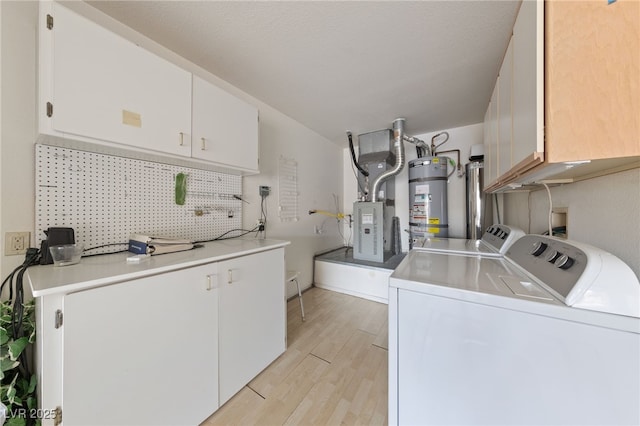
x,y
264,190
16,242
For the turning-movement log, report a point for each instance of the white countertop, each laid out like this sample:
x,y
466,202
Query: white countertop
x,y
96,271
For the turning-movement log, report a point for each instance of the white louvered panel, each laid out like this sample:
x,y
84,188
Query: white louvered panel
x,y
288,190
106,198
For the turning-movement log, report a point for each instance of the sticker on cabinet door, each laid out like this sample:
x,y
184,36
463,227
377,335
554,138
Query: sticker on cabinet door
x,y
131,118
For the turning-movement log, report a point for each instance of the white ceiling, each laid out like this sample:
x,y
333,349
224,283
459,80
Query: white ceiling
x,y
341,65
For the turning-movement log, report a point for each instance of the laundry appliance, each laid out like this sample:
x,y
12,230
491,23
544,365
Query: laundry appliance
x,y
494,242
547,334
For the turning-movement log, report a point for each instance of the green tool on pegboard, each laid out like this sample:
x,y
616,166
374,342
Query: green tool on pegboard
x,y
181,188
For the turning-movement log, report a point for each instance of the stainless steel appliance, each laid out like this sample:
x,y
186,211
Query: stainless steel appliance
x,y
479,212
428,214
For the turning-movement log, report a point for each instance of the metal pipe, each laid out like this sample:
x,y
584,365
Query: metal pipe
x,y
398,136
417,142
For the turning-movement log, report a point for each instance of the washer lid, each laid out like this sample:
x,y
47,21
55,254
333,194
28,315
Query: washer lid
x,y
447,275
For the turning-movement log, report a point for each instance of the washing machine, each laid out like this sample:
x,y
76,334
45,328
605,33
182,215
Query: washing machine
x,y
549,334
495,241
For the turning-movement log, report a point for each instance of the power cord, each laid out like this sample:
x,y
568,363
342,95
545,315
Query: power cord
x,y
32,257
550,208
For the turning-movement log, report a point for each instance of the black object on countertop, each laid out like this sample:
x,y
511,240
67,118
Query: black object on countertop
x,y
55,237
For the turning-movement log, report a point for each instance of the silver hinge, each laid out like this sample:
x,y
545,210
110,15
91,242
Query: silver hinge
x,y
58,318
50,22
49,109
57,420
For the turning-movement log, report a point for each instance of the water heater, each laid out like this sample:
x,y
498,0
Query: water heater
x,y
428,215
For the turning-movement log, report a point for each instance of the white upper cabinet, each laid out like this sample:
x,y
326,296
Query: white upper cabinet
x,y
528,80
491,140
104,87
98,87
520,102
505,122
225,128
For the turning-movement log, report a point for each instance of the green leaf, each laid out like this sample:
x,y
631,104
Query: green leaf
x,y
16,347
31,403
32,384
7,364
16,421
11,394
4,336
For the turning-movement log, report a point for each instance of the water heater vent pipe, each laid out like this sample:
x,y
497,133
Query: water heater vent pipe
x,y
398,136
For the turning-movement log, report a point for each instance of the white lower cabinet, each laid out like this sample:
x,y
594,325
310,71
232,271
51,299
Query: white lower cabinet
x,y
142,352
166,349
252,317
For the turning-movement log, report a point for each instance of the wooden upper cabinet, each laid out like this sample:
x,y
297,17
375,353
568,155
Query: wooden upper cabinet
x,y
587,107
592,80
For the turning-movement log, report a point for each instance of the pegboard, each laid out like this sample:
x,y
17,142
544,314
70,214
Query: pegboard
x,y
107,198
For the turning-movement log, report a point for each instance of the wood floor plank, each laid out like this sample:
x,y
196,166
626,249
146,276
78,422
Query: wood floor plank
x,y
334,370
235,410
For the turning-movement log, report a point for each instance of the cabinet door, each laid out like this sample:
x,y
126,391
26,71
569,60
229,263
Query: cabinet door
x,y
505,125
528,74
492,146
488,160
225,128
142,352
592,81
252,317
107,88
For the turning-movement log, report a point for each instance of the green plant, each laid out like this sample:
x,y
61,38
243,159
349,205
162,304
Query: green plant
x,y
18,391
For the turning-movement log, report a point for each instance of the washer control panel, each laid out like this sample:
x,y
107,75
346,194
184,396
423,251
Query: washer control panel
x,y
557,263
500,237
580,275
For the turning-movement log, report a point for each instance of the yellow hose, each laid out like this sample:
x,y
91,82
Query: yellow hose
x,y
326,213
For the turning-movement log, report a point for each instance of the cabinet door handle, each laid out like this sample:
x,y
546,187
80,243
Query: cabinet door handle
x,y
212,281
203,146
230,275
181,138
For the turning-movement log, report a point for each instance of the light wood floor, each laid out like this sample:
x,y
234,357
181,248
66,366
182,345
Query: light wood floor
x,y
333,372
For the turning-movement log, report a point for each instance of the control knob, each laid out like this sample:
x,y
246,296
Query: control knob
x,y
553,256
538,248
564,262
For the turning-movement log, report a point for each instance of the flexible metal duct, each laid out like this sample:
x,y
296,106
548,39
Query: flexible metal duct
x,y
398,136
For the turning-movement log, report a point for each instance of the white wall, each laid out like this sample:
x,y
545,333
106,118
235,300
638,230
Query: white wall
x,y
603,212
17,122
459,138
318,159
